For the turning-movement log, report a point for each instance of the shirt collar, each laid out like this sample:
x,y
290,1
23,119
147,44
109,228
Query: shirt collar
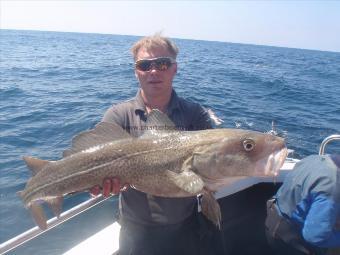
x,y
140,105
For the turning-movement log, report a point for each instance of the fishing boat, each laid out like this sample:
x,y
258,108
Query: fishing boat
x,y
92,226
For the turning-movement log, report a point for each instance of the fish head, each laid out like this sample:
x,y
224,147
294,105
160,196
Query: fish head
x,y
239,153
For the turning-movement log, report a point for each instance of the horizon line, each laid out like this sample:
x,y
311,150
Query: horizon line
x,y
176,38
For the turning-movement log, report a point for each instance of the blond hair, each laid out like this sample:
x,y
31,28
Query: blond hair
x,y
154,41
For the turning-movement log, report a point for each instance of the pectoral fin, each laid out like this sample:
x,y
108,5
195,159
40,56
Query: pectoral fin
x,y
187,181
211,209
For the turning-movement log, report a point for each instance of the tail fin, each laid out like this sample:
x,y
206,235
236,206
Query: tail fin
x,y
21,194
38,212
38,215
35,164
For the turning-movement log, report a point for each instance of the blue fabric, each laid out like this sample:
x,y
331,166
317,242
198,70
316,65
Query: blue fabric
x,y
309,197
320,221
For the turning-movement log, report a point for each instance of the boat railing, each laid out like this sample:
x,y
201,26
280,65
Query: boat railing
x,y
326,141
51,223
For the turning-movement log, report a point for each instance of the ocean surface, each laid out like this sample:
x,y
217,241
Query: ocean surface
x,y
55,85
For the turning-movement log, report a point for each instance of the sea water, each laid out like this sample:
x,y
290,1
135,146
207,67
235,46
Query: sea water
x,y
54,85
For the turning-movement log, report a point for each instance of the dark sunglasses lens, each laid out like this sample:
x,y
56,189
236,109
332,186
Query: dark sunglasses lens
x,y
143,65
163,64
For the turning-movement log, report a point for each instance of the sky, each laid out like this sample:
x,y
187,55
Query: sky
x,y
294,24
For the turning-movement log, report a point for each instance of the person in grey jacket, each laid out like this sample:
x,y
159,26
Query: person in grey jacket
x,y
304,215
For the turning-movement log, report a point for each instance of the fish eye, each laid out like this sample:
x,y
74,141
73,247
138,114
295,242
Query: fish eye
x,y
248,144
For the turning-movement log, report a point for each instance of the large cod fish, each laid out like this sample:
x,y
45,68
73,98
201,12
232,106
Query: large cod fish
x,y
162,162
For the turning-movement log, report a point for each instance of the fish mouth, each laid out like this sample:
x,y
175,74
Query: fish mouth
x,y
271,165
275,162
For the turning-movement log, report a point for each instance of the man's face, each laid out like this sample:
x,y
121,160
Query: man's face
x,y
155,82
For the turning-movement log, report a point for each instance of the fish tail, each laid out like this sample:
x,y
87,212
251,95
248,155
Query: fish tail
x,y
35,164
21,194
55,203
211,209
36,210
38,215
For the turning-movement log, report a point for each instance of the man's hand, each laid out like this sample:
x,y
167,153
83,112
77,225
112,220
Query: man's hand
x,y
110,186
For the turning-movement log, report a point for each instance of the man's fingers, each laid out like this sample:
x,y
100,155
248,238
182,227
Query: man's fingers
x,y
95,191
107,187
115,185
125,187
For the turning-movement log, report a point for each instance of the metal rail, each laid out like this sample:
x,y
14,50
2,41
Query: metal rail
x,y
51,223
327,140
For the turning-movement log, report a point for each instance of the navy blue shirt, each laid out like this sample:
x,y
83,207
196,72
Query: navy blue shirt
x,y
310,197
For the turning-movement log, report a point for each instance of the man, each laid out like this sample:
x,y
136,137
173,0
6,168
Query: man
x,y
303,217
156,225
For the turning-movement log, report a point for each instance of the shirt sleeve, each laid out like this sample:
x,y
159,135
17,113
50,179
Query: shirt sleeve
x,y
202,119
319,228
113,115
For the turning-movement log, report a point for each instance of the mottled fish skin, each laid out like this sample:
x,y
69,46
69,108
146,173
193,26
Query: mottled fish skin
x,y
135,161
178,164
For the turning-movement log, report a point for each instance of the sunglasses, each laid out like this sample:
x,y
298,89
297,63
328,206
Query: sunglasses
x,y
160,64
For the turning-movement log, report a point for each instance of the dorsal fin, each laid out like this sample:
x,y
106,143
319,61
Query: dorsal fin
x,y
35,164
158,124
104,132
